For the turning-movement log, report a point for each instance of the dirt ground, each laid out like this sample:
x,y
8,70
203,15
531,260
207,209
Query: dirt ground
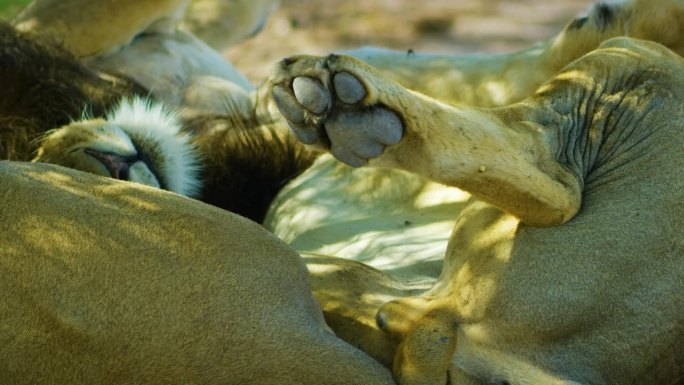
x,y
323,26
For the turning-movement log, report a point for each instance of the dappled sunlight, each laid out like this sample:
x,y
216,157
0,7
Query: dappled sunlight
x,y
388,219
435,192
74,209
87,276
497,237
112,189
575,75
409,250
498,91
351,294
474,291
386,240
518,300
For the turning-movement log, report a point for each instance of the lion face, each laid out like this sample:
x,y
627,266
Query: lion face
x,y
138,141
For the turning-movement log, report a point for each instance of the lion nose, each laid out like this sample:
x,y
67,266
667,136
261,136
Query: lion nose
x,y
117,165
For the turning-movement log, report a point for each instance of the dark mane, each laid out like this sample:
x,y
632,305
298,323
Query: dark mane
x,y
45,87
246,163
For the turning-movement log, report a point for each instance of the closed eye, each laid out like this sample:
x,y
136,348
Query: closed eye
x,y
147,160
578,23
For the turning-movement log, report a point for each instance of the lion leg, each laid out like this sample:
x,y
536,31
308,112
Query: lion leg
x,y
222,24
427,331
90,28
464,79
344,105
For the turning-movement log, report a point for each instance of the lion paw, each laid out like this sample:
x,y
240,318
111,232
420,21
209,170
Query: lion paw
x,y
326,102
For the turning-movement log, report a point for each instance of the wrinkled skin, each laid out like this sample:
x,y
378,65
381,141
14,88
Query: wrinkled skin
x,y
400,222
404,220
568,268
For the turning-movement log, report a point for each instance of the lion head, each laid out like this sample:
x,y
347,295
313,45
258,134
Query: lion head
x,y
139,141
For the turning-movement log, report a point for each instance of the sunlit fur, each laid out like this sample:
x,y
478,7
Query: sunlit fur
x,y
105,282
566,267
479,80
491,80
367,214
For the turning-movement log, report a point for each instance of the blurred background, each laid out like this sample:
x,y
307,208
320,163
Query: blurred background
x,y
462,26
10,7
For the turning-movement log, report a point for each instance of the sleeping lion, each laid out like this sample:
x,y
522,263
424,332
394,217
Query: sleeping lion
x,y
566,267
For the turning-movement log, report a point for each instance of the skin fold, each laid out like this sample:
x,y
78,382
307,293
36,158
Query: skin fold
x,y
591,137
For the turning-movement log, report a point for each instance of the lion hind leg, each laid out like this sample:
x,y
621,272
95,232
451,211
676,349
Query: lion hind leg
x,y
343,105
427,331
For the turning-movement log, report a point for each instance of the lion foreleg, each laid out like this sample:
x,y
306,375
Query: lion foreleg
x,y
498,155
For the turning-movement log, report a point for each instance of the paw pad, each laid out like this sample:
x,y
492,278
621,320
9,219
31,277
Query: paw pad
x,y
332,107
348,88
311,94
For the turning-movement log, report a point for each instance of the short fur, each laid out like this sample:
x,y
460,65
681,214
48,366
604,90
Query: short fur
x,y
593,296
105,282
91,28
400,223
494,80
223,23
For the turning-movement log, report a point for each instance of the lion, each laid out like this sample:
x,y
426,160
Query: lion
x,y
567,268
243,159
481,80
107,282
351,292
109,124
121,147
398,223
224,23
500,79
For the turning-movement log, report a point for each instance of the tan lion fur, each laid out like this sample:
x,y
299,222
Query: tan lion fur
x,y
494,80
108,282
351,292
91,28
595,299
481,80
223,23
400,223
113,24
143,40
